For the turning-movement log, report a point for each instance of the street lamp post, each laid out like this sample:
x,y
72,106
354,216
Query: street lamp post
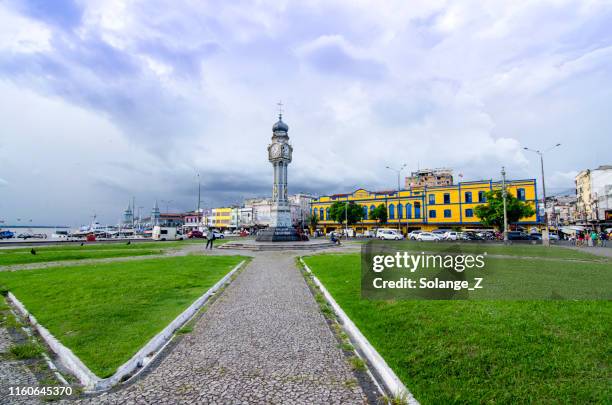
x,y
541,154
199,197
504,195
398,171
168,202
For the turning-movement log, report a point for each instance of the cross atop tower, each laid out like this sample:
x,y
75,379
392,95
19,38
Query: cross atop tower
x,y
280,109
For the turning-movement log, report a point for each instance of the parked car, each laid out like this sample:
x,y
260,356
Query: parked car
x,y
369,234
25,235
471,236
6,235
538,236
389,234
451,235
218,235
428,236
413,234
517,235
195,234
440,232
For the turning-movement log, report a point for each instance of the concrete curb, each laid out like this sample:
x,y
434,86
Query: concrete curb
x,y
389,379
92,382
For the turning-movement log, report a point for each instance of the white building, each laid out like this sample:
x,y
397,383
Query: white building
x,y
564,210
594,195
300,208
257,211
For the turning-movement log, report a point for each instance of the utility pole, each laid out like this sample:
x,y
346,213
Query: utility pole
x,y
398,171
133,211
199,200
504,195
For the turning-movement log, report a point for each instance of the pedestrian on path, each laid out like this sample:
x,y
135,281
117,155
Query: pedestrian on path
x,y
593,238
210,237
589,241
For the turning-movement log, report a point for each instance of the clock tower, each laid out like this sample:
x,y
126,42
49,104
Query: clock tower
x,y
279,155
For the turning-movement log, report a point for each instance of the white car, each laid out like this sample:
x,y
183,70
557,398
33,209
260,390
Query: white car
x,y
389,234
216,234
413,234
427,236
452,235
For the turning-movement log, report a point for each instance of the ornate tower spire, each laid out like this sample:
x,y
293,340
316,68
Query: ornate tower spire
x,y
280,155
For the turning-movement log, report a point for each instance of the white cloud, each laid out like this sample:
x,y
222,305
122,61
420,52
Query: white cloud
x,y
145,94
22,35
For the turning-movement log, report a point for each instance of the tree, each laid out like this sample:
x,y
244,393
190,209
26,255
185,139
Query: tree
x,y
313,221
492,213
339,211
379,213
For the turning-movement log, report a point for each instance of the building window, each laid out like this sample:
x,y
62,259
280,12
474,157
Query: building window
x,y
432,199
432,213
372,207
408,211
520,194
481,197
400,212
446,198
391,211
327,214
447,213
468,196
417,210
469,213
321,214
365,212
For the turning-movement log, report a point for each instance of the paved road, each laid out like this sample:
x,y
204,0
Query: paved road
x,y
596,250
263,341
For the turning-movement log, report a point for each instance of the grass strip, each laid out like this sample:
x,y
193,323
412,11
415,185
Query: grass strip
x,y
483,351
106,312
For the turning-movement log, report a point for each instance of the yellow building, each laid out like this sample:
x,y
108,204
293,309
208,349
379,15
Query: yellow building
x,y
426,208
221,217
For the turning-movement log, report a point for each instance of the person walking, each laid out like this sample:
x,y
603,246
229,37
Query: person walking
x,y
603,237
210,237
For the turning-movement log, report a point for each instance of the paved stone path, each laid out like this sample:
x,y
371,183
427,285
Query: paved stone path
x,y
263,341
13,372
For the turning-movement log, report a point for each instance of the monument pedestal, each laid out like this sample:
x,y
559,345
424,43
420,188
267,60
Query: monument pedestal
x,y
278,234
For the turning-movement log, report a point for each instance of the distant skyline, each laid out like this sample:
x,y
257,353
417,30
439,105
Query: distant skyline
x,y
105,100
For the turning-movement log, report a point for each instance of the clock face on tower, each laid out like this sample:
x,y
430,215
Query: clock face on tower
x,y
275,151
286,151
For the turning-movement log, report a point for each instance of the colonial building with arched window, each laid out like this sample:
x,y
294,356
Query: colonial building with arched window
x,y
427,207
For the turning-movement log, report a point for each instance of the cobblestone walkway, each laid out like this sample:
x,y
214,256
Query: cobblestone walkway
x,y
14,373
263,341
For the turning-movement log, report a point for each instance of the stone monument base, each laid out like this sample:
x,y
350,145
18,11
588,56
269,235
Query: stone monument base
x,y
277,234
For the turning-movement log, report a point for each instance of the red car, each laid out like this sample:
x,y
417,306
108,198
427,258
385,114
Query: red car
x,y
195,234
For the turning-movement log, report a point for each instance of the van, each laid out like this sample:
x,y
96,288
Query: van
x,y
165,233
389,234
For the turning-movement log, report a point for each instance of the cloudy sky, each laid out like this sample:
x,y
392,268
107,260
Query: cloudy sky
x,y
102,100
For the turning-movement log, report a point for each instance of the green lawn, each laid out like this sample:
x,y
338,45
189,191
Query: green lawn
x,y
90,251
484,351
106,312
526,250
